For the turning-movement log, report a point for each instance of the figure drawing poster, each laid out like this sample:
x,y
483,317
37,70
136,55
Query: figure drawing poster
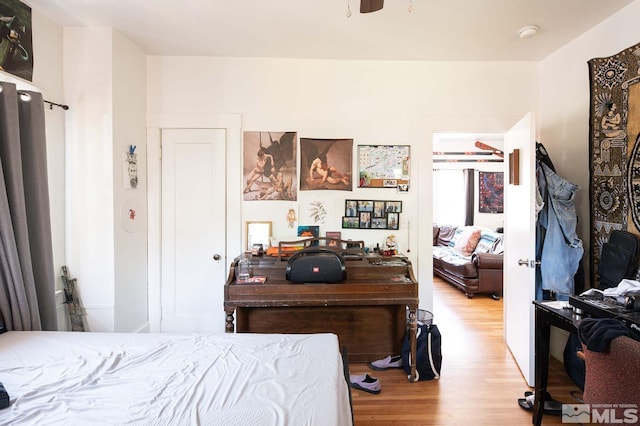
x,y
326,164
269,166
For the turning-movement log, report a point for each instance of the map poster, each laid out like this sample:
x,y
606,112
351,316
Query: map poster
x,y
383,166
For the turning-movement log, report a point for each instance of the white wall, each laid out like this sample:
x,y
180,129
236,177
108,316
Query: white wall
x,y
129,118
105,85
373,102
564,102
564,110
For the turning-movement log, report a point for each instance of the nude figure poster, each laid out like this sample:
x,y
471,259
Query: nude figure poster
x,y
325,164
269,166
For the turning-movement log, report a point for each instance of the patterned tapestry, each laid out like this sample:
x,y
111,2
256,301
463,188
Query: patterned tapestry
x,y
614,148
491,192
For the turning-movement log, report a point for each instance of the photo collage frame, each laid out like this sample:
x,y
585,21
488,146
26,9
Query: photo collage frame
x,y
371,214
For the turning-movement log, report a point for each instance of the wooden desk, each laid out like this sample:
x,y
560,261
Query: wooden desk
x,y
368,311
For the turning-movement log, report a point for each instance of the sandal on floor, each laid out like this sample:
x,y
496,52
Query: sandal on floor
x,y
551,406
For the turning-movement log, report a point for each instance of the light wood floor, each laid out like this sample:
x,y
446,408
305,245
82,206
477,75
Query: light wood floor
x,y
480,383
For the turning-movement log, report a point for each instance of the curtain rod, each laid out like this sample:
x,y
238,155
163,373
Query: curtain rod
x,y
52,104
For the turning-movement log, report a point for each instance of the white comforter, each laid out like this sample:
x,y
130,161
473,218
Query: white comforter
x,y
169,379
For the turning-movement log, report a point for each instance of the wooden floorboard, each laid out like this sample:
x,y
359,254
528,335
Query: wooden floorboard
x,y
480,382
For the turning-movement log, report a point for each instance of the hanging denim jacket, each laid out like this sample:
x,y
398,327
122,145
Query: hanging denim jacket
x,y
559,247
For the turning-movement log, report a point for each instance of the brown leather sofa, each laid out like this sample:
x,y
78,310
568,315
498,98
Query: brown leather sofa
x,y
470,258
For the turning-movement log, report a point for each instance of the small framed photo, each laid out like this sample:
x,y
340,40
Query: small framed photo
x,y
333,238
350,222
351,208
393,220
378,209
379,223
403,187
365,220
365,206
393,206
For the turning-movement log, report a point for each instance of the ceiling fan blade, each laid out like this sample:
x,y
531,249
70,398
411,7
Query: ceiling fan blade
x,y
367,6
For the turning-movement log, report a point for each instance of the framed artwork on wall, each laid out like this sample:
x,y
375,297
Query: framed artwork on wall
x,y
383,166
350,222
393,220
351,208
393,206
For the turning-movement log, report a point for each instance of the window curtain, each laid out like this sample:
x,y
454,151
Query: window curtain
x,y
27,279
469,196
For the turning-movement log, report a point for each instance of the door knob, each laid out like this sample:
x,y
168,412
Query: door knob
x,y
216,257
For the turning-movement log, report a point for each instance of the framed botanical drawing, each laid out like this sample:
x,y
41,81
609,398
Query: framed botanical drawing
x,y
383,166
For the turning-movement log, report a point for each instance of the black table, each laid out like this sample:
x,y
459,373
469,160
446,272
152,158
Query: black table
x,y
546,316
565,318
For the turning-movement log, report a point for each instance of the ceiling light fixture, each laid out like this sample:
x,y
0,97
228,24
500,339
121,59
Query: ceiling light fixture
x,y
348,9
528,31
410,6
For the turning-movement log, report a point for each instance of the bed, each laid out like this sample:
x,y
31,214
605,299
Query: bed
x,y
173,379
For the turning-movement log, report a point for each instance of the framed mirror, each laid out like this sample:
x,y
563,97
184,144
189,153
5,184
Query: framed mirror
x,y
257,233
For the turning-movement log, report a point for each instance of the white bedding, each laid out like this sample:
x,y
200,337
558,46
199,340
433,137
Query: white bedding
x,y
172,379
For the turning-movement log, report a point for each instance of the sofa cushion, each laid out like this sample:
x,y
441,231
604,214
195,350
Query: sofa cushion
x,y
490,242
466,239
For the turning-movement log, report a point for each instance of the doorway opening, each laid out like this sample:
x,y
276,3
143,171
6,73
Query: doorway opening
x,y
461,163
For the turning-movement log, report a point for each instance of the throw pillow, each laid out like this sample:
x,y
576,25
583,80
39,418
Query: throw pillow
x,y
465,240
486,243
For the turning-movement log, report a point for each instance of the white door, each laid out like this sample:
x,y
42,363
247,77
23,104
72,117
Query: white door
x,y
519,252
193,230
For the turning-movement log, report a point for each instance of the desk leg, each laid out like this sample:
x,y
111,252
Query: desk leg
x,y
413,328
229,326
542,333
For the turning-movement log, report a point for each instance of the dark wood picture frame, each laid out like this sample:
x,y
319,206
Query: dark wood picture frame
x,y
393,206
393,220
351,208
365,205
350,222
365,219
379,209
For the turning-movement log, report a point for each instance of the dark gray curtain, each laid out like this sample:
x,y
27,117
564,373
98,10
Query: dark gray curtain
x,y
27,279
469,183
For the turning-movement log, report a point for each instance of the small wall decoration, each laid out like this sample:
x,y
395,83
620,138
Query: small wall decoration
x,y
372,214
491,192
130,168
291,218
317,211
130,216
16,46
325,164
269,166
384,166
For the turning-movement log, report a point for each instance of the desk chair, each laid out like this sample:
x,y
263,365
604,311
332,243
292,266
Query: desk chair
x,y
613,377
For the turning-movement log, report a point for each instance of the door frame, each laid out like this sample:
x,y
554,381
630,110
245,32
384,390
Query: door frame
x,y
232,124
